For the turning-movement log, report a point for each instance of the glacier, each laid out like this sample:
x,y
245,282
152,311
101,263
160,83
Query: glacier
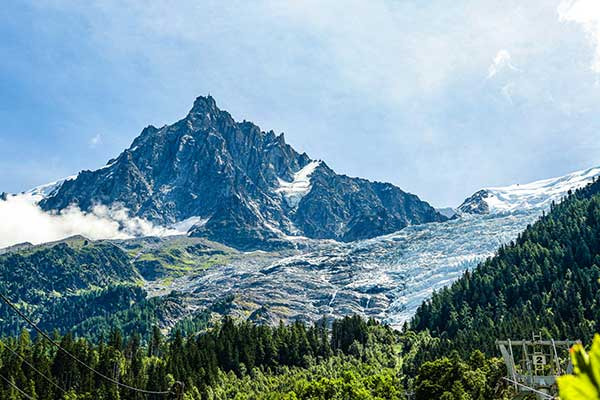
x,y
386,277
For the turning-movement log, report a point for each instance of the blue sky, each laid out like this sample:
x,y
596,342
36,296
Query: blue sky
x,y
440,98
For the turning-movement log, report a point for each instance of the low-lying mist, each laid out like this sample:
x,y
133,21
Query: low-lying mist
x,y
22,220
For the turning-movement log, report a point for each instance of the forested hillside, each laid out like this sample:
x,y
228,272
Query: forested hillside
x,y
92,287
63,268
546,281
354,359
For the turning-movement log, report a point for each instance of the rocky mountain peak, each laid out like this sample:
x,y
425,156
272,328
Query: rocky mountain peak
x,y
205,104
246,186
206,115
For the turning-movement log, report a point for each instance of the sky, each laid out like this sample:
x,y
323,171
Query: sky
x,y
441,98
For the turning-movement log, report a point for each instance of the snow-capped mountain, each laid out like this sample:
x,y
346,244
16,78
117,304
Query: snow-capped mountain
x,y
386,277
235,184
244,187
520,197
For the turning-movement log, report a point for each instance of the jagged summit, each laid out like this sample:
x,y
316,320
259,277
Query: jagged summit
x,y
205,108
204,102
245,187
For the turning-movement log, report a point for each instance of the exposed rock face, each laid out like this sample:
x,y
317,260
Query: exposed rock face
x,y
348,209
476,204
247,187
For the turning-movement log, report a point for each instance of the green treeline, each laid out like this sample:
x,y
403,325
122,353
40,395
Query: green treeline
x,y
355,359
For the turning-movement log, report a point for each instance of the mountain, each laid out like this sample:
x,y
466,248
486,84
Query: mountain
x,y
386,277
546,281
241,186
518,197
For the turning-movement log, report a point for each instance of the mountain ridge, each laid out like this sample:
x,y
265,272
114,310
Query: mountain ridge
x,y
533,195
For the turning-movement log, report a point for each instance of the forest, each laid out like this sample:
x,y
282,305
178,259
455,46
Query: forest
x,y
353,359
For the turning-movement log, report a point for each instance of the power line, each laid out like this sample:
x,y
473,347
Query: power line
x,y
546,395
36,370
17,388
68,353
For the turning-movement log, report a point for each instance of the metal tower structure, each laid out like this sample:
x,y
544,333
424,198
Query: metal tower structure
x,y
533,365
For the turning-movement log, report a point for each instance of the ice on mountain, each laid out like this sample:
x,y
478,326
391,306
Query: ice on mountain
x,y
182,227
535,195
295,190
48,189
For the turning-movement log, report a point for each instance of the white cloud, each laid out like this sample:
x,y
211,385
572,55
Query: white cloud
x,y
95,140
508,92
354,75
587,14
24,221
502,61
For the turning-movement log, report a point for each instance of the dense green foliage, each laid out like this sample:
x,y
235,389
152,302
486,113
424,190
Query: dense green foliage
x,y
546,281
67,283
232,360
65,268
455,379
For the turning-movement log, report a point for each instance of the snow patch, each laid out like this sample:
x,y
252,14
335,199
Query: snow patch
x,y
185,225
41,192
295,190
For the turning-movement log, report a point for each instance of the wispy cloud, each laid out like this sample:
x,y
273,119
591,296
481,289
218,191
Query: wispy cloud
x,y
502,61
95,140
587,14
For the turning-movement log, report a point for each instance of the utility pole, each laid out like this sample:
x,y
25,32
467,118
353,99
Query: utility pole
x,y
177,390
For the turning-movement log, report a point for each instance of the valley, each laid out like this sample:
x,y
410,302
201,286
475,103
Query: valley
x,y
300,200
293,242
